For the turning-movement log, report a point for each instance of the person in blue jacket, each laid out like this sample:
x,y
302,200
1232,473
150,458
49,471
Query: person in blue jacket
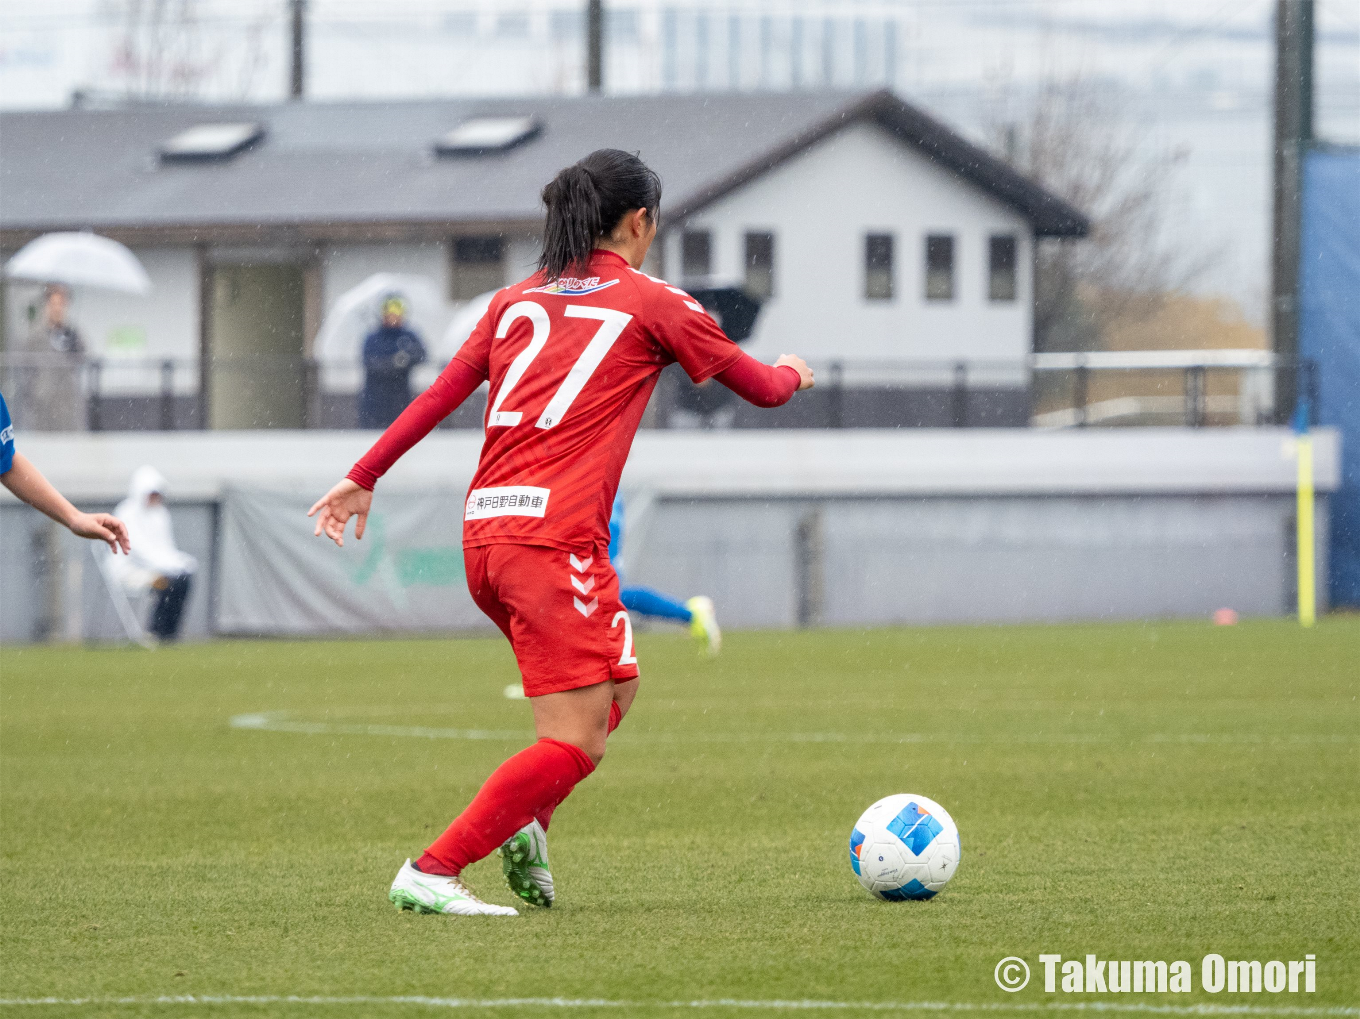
x,y
390,353
698,612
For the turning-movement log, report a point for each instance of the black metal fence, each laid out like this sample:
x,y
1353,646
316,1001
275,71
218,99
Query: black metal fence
x,y
1176,388
859,394
1191,388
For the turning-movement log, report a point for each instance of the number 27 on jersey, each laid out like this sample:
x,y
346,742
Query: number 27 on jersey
x,y
612,324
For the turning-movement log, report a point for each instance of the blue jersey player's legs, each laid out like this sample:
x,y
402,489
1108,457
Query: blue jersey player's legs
x,y
647,601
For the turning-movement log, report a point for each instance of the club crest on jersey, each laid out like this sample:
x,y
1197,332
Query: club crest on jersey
x,y
571,285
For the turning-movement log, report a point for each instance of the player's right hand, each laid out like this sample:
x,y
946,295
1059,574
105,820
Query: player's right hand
x,y
333,510
800,366
103,527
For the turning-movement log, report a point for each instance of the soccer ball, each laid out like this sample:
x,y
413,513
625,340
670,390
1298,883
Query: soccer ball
x,y
904,847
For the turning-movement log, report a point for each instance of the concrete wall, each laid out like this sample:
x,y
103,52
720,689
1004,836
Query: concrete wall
x,y
820,205
784,528
862,562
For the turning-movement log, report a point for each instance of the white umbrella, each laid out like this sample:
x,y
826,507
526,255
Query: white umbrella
x,y
79,260
357,312
460,328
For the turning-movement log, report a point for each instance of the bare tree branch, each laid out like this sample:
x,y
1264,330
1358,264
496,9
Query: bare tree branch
x,y
1075,139
160,51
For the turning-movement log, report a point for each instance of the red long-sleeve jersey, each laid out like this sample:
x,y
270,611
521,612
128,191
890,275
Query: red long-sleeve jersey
x,y
571,364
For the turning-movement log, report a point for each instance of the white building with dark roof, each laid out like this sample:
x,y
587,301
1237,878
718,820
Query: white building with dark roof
x,y
885,247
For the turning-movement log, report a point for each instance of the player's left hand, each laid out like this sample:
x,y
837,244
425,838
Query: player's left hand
x,y
103,527
333,510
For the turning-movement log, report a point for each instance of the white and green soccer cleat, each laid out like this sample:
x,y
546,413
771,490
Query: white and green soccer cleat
x,y
703,622
436,893
524,858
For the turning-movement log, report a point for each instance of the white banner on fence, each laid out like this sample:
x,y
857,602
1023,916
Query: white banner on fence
x,y
274,577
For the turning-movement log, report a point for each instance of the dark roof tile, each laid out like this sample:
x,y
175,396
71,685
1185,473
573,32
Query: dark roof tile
x,y
363,162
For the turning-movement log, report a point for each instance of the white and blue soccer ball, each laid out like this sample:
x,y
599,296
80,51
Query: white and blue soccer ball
x,y
904,847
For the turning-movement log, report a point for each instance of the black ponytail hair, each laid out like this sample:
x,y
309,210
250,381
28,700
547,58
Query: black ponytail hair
x,y
586,201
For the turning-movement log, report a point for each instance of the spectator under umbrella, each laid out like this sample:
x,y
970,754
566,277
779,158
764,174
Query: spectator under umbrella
x,y
390,353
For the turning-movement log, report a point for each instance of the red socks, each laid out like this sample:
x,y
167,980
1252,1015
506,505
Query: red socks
x,y
545,814
540,776
529,785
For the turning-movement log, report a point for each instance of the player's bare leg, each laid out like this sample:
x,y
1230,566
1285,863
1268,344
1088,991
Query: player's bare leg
x,y
579,717
624,692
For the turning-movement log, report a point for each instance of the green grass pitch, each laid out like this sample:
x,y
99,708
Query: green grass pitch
x,y
1155,791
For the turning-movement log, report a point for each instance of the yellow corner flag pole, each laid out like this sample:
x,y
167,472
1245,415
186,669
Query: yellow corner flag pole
x,y
1304,516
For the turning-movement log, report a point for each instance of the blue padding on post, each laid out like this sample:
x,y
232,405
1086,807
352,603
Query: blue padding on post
x,y
1329,334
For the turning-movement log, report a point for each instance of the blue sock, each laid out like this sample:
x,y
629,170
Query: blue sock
x,y
649,602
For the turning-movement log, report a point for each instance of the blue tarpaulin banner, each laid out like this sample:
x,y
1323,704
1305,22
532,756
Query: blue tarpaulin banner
x,y
1329,334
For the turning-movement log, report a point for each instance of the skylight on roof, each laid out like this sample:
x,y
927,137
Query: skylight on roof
x,y
211,141
487,134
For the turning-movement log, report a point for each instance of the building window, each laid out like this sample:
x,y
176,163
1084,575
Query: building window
x,y
1001,267
462,23
878,267
478,266
564,24
696,254
622,26
512,26
939,267
760,265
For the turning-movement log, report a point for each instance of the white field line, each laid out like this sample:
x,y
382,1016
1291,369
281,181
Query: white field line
x,y
728,1003
278,721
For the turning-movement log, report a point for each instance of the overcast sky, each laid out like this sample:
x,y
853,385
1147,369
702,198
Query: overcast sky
x,y
1194,75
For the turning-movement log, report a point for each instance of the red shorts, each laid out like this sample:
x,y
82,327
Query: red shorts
x,y
561,613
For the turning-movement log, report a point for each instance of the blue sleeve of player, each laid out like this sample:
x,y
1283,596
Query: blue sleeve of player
x,y
6,439
616,528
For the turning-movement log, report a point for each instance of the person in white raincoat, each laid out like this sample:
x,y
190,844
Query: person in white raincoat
x,y
155,562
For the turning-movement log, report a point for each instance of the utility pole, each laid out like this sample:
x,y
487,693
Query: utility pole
x,y
1293,132
595,45
299,26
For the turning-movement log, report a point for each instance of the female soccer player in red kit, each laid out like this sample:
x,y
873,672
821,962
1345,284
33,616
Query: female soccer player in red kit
x,y
572,355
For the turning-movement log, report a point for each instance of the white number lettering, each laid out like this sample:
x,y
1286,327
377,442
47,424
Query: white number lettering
x,y
612,323
536,314
627,658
